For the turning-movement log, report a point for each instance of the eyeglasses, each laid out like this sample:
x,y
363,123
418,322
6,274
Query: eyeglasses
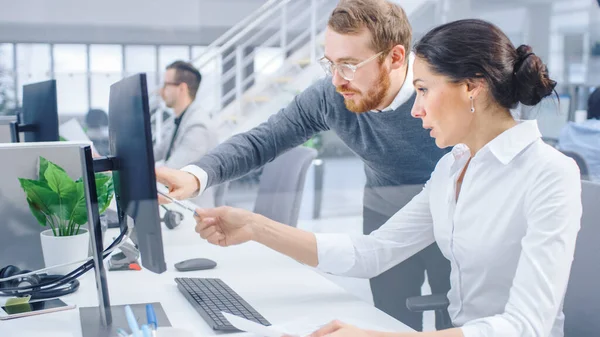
x,y
345,70
170,83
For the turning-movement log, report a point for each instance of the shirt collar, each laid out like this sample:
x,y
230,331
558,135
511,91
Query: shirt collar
x,y
513,141
407,89
507,145
180,117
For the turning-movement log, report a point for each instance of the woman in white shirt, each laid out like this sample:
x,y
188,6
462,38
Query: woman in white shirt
x,y
503,206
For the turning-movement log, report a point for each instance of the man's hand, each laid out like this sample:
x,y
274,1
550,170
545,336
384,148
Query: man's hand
x,y
181,184
225,226
339,329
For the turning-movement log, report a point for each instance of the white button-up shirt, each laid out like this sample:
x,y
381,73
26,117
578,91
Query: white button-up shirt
x,y
510,237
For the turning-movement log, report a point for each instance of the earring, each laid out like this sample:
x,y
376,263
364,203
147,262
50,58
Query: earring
x,y
472,105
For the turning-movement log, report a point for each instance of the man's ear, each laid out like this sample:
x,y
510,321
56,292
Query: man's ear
x,y
398,54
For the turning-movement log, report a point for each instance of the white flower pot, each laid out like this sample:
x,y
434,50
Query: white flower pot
x,y
59,250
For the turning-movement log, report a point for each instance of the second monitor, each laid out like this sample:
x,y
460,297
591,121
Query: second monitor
x,y
39,120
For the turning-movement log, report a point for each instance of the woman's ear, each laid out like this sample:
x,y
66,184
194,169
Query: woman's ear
x,y
474,87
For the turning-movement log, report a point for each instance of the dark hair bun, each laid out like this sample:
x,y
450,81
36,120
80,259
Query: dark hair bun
x,y
532,82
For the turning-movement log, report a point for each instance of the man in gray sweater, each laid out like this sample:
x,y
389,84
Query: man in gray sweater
x,y
367,103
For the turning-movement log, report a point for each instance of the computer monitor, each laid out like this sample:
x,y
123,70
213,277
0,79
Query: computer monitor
x,y
131,161
19,229
5,127
39,119
130,142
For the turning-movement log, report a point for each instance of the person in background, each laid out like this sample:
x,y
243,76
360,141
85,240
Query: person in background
x,y
186,137
503,206
584,138
366,100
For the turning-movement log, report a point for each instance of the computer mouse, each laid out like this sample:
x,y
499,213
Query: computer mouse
x,y
195,264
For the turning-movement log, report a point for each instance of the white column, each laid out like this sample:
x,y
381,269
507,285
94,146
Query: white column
x,y
537,29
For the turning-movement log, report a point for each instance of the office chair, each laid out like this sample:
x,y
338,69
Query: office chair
x,y
282,184
583,166
582,299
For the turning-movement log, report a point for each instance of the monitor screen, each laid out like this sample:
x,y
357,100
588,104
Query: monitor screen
x,y
40,110
130,142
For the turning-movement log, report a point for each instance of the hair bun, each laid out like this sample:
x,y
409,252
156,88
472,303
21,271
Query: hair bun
x,y
532,82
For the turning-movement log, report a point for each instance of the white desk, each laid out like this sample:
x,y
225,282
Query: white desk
x,y
282,290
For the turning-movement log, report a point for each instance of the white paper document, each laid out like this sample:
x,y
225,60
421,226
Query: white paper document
x,y
73,131
253,327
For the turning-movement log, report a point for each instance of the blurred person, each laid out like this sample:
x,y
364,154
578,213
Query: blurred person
x,y
504,207
186,137
366,100
584,138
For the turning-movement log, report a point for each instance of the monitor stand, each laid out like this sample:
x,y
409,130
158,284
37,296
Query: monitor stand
x,y
92,326
104,320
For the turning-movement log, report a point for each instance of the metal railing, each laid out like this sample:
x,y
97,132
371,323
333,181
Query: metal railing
x,y
228,64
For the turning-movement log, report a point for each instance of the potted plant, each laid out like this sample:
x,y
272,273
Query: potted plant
x,y
57,201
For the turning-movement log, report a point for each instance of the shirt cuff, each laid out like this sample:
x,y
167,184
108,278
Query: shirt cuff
x,y
335,252
470,331
200,174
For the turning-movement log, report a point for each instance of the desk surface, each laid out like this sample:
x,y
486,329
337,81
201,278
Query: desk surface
x,y
285,292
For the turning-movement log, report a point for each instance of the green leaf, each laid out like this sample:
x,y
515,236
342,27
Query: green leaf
x,y
105,191
37,213
61,183
40,197
79,208
44,166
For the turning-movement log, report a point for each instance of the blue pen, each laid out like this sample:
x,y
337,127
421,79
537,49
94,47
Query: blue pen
x,y
133,325
151,316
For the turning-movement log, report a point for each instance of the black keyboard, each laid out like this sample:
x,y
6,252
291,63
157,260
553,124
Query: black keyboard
x,y
210,296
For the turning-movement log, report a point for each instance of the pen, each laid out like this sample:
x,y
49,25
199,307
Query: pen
x,y
146,331
133,325
151,317
177,202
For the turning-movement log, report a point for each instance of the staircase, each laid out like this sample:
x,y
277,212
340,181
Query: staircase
x,y
236,92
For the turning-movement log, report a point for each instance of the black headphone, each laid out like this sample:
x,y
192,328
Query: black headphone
x,y
172,218
33,280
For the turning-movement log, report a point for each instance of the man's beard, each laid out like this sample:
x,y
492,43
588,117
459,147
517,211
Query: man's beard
x,y
374,96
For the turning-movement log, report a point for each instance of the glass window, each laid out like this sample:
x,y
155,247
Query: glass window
x,y
210,68
7,86
33,64
142,59
106,68
70,71
169,54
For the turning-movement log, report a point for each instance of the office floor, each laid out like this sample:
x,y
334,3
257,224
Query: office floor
x,y
341,212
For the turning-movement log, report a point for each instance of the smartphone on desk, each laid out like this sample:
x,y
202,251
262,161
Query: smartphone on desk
x,y
34,308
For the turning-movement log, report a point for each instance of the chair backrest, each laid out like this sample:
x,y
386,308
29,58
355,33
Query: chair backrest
x,y
282,184
583,166
582,300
